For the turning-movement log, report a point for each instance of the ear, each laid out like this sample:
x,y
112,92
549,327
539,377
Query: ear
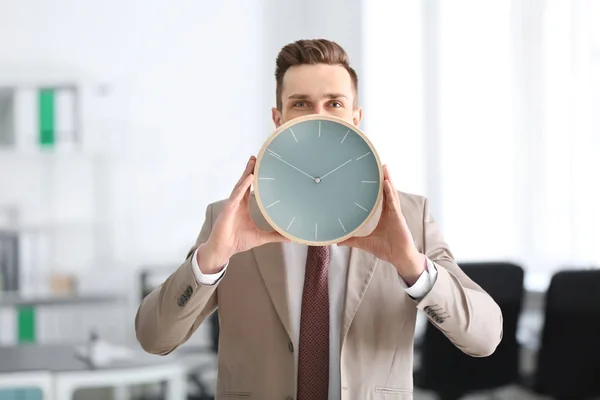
x,y
276,115
357,116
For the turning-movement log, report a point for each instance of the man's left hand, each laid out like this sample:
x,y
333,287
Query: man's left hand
x,y
391,239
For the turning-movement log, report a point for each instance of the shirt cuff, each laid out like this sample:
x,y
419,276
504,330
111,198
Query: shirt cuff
x,y
425,282
206,279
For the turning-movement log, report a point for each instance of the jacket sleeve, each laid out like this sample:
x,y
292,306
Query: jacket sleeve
x,y
172,312
456,305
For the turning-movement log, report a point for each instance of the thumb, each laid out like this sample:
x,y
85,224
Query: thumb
x,y
350,242
272,237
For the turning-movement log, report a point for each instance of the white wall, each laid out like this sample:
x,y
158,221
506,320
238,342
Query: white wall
x,y
517,134
393,96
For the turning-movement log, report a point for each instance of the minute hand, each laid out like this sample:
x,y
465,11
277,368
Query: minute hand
x,y
335,169
297,169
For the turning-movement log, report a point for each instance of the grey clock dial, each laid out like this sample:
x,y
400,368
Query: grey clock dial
x,y
318,180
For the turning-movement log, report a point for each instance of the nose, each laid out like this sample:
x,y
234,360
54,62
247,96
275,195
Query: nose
x,y
319,109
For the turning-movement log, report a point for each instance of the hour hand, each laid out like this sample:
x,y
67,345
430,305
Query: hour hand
x,y
277,156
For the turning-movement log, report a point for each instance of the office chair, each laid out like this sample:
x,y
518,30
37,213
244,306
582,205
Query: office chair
x,y
568,361
449,372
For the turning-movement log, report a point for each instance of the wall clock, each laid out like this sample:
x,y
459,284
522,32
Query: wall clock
x,y
318,180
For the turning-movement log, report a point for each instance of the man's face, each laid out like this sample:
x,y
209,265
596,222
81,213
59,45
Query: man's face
x,y
317,89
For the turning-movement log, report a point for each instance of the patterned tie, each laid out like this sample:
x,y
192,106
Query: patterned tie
x,y
313,356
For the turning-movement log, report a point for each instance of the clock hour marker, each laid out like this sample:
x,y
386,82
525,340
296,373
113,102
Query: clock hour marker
x,y
345,136
267,179
272,204
342,225
295,138
319,128
273,153
361,207
369,181
290,224
364,155
316,230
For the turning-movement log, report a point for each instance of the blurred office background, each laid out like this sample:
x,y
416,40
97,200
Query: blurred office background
x,y
121,120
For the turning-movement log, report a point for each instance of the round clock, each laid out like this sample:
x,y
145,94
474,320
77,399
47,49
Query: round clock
x,y
318,180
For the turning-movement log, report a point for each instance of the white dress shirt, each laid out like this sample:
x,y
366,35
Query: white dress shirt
x,y
295,264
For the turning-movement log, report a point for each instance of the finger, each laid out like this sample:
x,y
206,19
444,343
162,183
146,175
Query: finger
x,y
246,197
350,242
387,176
249,169
240,191
390,201
271,237
276,237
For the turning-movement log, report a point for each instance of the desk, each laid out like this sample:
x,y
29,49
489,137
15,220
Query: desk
x,y
41,380
59,372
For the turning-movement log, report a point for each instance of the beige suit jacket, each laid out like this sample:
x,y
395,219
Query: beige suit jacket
x,y
256,357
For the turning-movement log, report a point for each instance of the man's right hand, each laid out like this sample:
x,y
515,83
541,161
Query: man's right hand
x,y
234,231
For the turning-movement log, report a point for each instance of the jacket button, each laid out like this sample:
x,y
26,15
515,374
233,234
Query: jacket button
x,y
291,347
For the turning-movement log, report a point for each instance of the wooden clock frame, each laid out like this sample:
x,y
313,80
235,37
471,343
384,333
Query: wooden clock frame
x,y
359,231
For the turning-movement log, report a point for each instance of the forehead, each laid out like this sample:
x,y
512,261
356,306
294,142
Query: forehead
x,y
316,80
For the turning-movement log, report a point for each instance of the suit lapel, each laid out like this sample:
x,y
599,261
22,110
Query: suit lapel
x,y
360,271
270,261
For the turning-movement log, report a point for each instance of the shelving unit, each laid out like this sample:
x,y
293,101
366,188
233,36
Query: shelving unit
x,y
54,209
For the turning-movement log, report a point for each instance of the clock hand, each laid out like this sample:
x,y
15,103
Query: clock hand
x,y
297,169
336,169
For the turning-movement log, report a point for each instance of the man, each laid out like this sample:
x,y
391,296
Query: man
x,y
278,338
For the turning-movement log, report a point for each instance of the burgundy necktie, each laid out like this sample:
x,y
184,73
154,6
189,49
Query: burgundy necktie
x,y
313,356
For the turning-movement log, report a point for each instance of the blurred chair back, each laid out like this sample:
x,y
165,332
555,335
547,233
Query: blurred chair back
x,y
448,371
568,364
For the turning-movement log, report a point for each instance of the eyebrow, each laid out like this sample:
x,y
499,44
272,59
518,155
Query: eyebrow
x,y
328,95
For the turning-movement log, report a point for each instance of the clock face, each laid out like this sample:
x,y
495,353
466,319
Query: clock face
x,y
317,180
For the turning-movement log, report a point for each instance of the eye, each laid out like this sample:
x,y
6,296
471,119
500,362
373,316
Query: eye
x,y
336,104
300,104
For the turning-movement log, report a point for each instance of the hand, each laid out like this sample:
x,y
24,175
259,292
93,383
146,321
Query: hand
x,y
277,156
234,231
391,240
335,169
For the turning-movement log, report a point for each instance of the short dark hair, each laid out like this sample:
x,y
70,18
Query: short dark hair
x,y
313,51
